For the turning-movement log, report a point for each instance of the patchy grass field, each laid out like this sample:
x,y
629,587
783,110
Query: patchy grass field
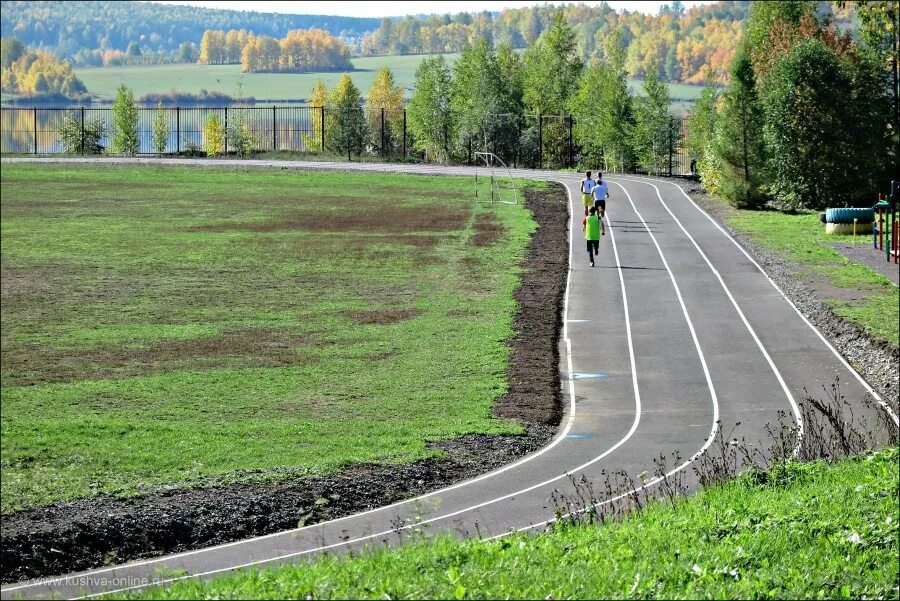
x,y
175,326
801,238
805,531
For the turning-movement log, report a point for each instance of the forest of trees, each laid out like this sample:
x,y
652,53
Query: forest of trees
x,y
74,30
299,51
682,45
809,117
36,73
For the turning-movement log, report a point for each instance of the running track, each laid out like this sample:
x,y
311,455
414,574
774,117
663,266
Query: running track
x,y
675,331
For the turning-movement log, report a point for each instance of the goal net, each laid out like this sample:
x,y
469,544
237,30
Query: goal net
x,y
494,182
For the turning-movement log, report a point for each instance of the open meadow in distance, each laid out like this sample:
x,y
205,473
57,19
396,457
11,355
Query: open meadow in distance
x,y
166,324
103,81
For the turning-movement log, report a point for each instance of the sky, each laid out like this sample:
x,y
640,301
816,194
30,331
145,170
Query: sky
x,y
394,9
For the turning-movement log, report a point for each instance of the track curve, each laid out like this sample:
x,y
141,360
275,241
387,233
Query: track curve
x,y
675,331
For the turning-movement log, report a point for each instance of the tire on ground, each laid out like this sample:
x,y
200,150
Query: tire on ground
x,y
847,215
841,229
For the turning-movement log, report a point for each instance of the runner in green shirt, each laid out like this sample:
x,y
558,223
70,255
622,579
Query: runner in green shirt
x,y
591,226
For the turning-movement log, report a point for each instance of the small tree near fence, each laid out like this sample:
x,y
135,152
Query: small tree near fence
x,y
161,130
125,120
215,136
75,139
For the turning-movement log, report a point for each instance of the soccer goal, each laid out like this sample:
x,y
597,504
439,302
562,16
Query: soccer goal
x,y
502,185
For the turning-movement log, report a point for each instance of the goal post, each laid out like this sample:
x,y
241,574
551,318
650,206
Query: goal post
x,y
498,174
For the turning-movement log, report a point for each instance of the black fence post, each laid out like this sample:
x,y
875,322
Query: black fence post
x,y
322,126
82,131
347,133
469,153
571,156
518,141
274,130
404,133
671,149
177,130
540,141
226,131
34,119
382,133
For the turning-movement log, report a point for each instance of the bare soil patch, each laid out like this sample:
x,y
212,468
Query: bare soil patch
x,y
275,347
383,219
382,317
487,230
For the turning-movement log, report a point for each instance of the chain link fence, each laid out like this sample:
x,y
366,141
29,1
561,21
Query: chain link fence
x,y
520,140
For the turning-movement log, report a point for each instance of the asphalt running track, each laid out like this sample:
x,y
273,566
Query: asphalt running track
x,y
675,331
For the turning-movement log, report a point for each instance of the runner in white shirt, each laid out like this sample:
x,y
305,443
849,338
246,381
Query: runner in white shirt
x,y
599,193
587,184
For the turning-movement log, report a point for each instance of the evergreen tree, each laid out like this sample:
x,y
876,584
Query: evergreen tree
x,y
430,118
738,157
125,120
345,125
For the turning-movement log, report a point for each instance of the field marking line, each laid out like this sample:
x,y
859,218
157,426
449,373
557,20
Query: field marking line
x,y
460,511
812,326
784,387
561,436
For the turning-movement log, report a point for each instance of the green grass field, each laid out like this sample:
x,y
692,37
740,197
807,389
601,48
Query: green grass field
x,y
808,531
103,81
166,325
801,238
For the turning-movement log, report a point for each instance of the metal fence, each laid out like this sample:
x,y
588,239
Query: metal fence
x,y
520,140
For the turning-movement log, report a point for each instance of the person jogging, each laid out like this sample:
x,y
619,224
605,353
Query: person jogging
x,y
591,226
587,184
600,192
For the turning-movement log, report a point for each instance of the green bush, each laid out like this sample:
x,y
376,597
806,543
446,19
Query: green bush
x,y
74,139
125,119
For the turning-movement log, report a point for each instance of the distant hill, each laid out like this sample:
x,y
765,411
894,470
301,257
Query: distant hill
x,y
68,27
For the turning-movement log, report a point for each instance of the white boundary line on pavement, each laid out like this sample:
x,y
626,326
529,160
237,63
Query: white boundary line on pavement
x,y
812,326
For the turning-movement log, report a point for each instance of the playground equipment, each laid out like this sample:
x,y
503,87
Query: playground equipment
x,y
885,233
492,162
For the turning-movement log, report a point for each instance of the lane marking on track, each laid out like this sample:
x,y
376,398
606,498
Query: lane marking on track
x,y
561,436
812,326
784,387
706,373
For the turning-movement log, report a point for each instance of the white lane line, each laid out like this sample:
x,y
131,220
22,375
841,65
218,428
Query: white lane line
x,y
480,505
812,326
784,387
709,383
